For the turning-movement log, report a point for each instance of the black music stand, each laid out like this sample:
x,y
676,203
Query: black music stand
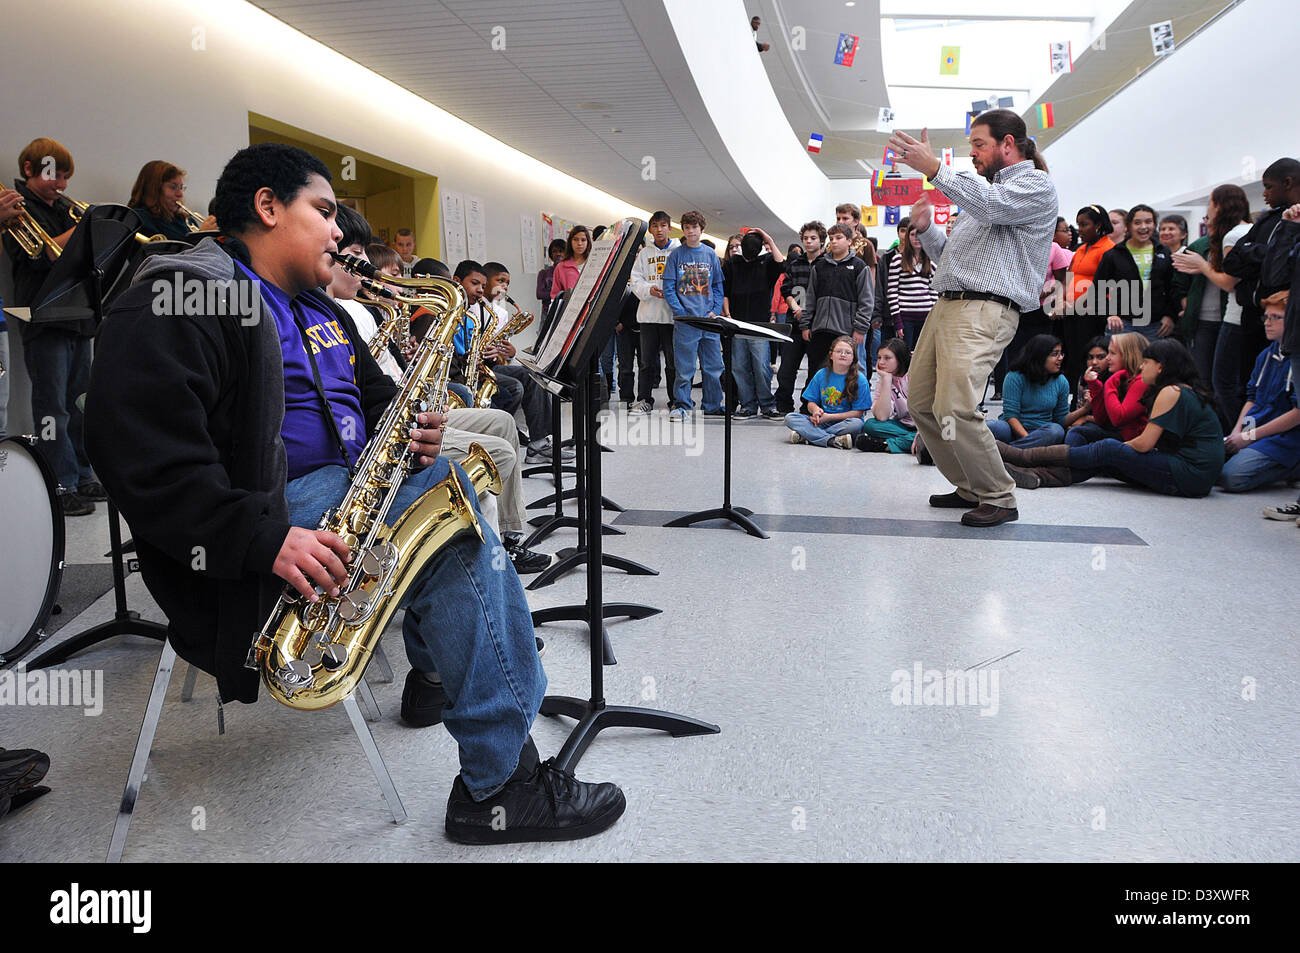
x,y
729,329
579,367
95,258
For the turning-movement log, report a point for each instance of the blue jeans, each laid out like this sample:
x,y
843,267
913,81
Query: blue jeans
x,y
467,619
753,373
1087,433
821,436
1114,458
1150,330
1044,436
1249,470
58,364
690,343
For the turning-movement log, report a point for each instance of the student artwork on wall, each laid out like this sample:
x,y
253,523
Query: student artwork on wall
x,y
528,243
475,228
1162,38
885,120
454,248
1061,56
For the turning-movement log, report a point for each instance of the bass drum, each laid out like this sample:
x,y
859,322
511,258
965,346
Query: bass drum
x,y
31,546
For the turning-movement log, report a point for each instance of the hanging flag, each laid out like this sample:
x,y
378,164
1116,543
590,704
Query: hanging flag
x,y
947,156
949,60
815,142
1046,116
941,215
969,117
869,216
885,120
891,214
1061,56
890,158
1162,38
926,184
846,49
878,179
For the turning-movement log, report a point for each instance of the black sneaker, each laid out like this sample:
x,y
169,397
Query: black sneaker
x,y
541,646
771,414
74,505
716,413
742,413
21,768
527,562
422,700
92,491
869,444
544,804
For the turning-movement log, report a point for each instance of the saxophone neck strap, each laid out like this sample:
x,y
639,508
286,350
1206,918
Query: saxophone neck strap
x,y
326,409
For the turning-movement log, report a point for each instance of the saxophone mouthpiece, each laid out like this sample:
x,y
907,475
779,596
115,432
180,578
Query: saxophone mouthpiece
x,y
355,264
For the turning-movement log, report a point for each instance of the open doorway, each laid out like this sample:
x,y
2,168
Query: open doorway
x,y
389,195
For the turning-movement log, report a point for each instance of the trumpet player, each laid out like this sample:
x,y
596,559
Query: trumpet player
x,y
57,354
158,197
222,439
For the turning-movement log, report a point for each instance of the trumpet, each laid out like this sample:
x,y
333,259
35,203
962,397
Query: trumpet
x,y
193,219
31,238
77,211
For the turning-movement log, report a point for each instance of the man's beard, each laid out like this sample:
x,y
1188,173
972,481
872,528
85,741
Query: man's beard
x,y
994,167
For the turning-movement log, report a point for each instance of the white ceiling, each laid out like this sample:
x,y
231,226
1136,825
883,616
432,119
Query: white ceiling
x,y
571,72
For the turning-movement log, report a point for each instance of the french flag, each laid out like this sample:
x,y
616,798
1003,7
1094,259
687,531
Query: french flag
x,y
815,142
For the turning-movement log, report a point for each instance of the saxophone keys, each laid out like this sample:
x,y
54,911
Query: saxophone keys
x,y
334,656
354,605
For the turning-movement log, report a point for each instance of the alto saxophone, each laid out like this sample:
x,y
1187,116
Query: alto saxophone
x,y
313,654
487,388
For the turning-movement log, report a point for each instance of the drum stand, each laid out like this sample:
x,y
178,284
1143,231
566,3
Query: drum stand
x,y
124,621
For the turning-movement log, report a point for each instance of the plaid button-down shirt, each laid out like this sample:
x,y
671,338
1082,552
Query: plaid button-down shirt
x,y
1002,242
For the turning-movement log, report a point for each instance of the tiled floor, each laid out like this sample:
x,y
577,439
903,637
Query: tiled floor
x,y
1137,658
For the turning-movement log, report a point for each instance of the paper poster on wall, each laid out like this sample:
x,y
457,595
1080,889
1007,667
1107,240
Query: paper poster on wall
x,y
475,229
885,119
453,227
528,243
1162,38
1061,56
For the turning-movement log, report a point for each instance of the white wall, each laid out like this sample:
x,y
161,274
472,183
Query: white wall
x,y
134,88
1218,110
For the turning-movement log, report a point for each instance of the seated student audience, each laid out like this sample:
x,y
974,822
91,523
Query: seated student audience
x,y
1179,453
889,428
837,396
1036,396
1081,402
1116,400
1265,443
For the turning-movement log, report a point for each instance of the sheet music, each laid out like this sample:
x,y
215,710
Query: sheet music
x,y
453,226
588,278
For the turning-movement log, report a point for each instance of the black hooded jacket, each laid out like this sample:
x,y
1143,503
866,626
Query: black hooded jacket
x,y
183,420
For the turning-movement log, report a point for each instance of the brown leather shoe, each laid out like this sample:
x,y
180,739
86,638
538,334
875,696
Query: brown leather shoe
x,y
986,514
953,501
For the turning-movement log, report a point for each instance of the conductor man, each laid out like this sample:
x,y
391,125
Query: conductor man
x,y
989,271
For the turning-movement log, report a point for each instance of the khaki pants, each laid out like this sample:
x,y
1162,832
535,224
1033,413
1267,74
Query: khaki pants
x,y
959,345
495,430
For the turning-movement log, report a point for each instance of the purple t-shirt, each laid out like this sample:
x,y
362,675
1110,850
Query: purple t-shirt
x,y
308,441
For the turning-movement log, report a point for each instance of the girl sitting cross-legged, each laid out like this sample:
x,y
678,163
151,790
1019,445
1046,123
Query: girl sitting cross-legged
x,y
1035,396
837,396
1180,451
889,428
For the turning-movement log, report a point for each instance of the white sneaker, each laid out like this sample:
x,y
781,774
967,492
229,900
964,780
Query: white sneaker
x,y
842,442
796,438
640,409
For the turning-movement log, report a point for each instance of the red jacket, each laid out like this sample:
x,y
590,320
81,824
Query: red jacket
x,y
1125,414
